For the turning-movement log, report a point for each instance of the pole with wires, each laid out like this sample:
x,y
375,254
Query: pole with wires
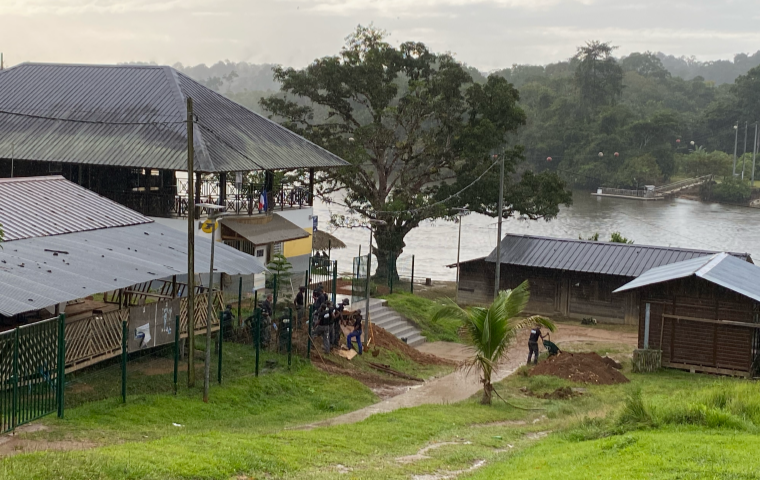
x,y
754,154
744,155
500,212
190,250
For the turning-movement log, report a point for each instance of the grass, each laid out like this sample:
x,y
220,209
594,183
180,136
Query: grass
x,y
420,310
662,426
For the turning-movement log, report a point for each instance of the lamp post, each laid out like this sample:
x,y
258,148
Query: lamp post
x,y
736,143
372,222
217,212
461,212
744,155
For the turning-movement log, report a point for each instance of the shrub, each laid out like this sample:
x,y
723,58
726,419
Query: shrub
x,y
731,190
635,413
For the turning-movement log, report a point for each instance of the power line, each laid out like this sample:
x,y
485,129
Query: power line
x,y
91,122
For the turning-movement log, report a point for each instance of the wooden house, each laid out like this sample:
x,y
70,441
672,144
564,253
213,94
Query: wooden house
x,y
703,314
570,278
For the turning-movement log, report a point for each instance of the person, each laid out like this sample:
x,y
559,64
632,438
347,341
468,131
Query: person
x,y
266,305
267,311
535,334
299,304
356,333
323,326
284,330
228,319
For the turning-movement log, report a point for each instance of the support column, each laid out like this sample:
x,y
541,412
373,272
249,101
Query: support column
x,y
223,188
311,187
198,179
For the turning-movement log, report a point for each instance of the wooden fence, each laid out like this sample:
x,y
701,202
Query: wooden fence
x,y
97,338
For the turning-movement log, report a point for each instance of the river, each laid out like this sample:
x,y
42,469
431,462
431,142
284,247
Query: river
x,y
677,223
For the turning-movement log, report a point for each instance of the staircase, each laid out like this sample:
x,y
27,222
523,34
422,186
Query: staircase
x,y
383,316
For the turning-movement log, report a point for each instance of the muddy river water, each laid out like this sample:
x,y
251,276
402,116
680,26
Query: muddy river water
x,y
677,222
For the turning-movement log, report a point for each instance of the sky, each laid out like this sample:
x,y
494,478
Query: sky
x,y
486,34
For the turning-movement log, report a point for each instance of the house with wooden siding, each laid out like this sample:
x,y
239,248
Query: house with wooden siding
x,y
702,314
571,278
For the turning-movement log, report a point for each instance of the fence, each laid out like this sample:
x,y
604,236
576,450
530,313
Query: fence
x,y
30,368
400,278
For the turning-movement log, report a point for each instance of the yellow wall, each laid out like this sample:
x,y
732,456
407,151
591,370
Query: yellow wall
x,y
302,246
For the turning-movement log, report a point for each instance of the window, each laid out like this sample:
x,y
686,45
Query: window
x,y
260,252
277,248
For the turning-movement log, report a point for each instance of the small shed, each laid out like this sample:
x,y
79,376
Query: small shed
x,y
571,278
703,314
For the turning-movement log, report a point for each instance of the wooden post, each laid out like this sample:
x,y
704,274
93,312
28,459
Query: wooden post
x,y
646,325
311,188
190,249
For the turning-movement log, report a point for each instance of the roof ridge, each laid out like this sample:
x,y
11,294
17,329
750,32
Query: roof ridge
x,y
602,242
92,65
710,264
31,179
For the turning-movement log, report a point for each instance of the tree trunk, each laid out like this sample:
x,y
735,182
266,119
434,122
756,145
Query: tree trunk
x,y
487,393
390,244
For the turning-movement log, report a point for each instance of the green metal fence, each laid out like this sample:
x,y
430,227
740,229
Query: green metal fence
x,y
401,274
31,364
359,279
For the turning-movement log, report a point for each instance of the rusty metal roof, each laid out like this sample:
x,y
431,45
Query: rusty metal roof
x,y
134,116
43,206
277,229
592,257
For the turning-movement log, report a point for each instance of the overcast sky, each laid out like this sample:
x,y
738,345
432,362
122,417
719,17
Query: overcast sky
x,y
487,34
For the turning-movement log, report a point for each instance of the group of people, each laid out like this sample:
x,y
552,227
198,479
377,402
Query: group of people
x,y
327,319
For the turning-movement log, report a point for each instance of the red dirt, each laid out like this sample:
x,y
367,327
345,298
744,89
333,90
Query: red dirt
x,y
581,368
385,340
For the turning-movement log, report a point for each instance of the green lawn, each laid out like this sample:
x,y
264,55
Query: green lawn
x,y
420,310
680,425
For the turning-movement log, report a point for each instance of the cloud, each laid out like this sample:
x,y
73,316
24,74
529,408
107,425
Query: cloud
x,y
422,8
78,7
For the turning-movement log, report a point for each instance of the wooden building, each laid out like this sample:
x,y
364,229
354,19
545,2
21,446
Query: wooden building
x,y
703,314
570,278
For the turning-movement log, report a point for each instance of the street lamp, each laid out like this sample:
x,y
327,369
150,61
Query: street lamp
x,y
736,143
215,211
372,221
461,212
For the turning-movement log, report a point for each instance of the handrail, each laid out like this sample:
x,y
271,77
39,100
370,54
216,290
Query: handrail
x,y
680,183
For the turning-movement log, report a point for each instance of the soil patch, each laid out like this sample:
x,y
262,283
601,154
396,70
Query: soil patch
x,y
383,339
562,393
580,367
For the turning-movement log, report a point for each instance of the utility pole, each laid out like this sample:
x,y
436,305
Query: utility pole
x,y
190,250
744,155
461,212
736,143
754,154
210,312
498,240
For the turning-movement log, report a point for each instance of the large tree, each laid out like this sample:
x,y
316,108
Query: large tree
x,y
415,128
598,75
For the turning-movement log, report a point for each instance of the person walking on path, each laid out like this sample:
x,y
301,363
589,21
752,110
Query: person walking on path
x,y
535,334
356,333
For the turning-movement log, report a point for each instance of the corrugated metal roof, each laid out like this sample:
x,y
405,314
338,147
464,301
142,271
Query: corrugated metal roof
x,y
592,257
721,269
228,137
278,229
103,260
42,206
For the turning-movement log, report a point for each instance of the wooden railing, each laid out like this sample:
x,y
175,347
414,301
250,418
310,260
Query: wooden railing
x,y
643,193
97,338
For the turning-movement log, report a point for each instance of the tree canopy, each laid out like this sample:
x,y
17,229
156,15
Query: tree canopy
x,y
418,133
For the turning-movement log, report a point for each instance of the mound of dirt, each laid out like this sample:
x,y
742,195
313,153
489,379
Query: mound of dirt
x,y
613,363
581,368
385,340
562,393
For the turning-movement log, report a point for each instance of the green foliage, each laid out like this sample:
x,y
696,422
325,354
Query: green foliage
x,y
616,237
635,413
731,190
414,126
598,76
279,265
491,330
700,162
639,171
420,311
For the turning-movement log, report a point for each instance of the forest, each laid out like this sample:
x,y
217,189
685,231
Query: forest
x,y
598,119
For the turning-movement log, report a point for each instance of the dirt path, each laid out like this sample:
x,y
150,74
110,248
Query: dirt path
x,y
461,385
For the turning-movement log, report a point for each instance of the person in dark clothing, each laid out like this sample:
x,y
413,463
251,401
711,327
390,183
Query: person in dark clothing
x,y
356,333
535,334
323,327
266,306
300,306
267,325
228,319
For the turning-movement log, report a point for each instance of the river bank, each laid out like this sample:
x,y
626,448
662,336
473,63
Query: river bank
x,y
679,222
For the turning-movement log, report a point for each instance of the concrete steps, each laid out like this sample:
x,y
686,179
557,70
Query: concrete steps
x,y
384,317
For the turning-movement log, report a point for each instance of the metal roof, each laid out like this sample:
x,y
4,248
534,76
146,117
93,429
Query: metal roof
x,y
134,116
278,229
39,272
42,206
592,257
721,269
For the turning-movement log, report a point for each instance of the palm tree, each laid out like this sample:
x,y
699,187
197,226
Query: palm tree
x,y
490,330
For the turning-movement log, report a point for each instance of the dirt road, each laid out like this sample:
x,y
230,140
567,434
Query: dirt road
x,y
461,385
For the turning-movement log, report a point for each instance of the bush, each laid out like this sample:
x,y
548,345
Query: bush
x,y
635,413
731,190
